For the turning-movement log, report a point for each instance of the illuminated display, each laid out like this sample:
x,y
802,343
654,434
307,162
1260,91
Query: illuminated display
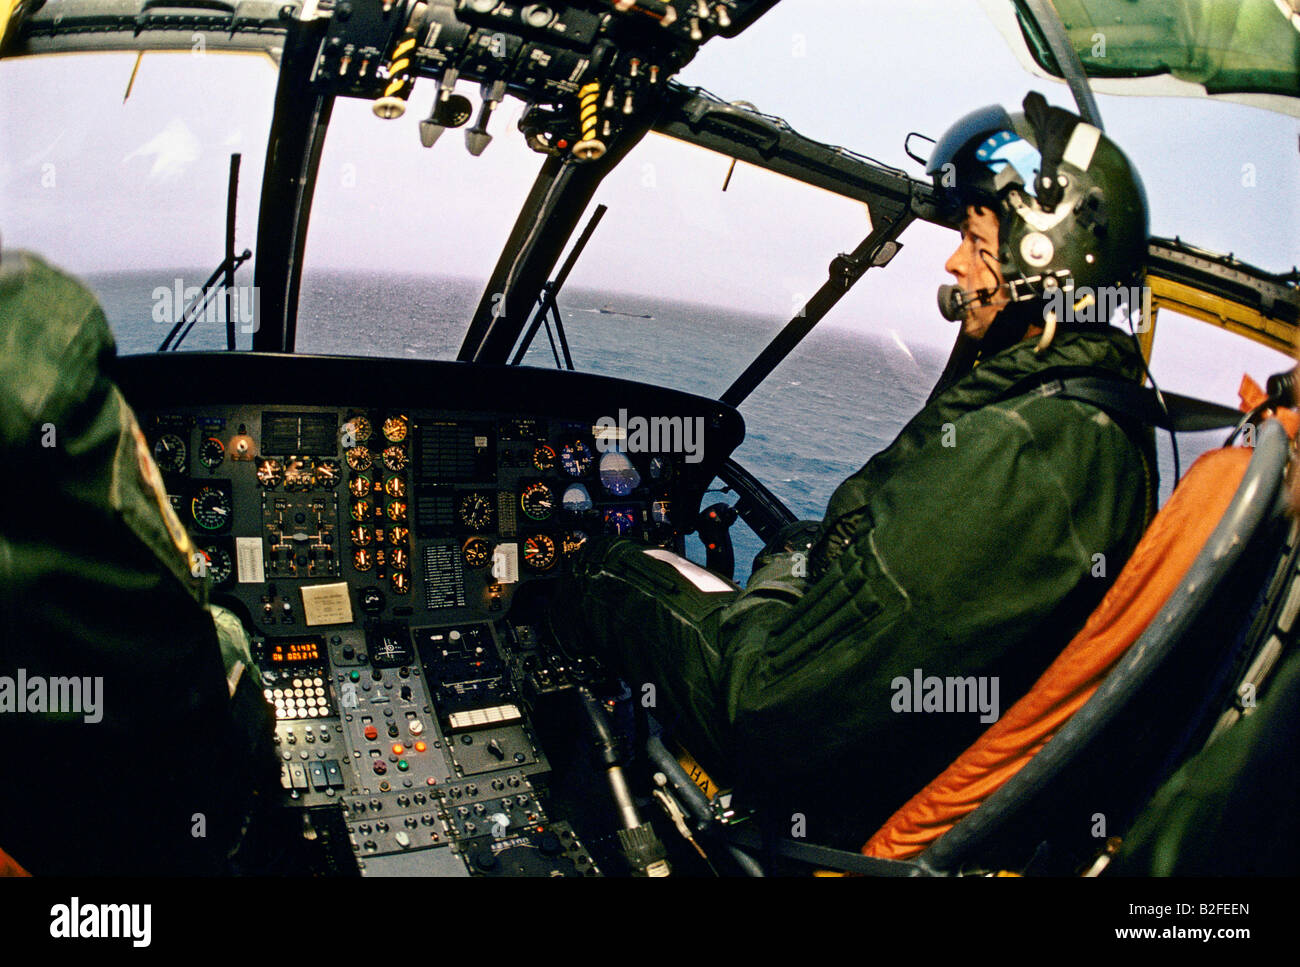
x,y
294,651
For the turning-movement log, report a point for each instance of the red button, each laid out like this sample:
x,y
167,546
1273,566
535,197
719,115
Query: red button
x,y
371,733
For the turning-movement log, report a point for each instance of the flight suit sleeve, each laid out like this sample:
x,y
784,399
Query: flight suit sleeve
x,y
98,584
974,558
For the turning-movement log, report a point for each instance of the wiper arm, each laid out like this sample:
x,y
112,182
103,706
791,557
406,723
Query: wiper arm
x,y
195,311
546,301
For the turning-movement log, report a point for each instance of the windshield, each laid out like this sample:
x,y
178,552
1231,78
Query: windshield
x,y
130,192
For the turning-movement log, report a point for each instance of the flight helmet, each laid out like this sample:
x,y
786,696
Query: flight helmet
x,y
1071,208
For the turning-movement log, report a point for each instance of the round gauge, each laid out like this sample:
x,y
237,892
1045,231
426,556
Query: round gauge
x,y
620,520
359,487
211,452
169,453
211,508
395,428
396,510
299,474
218,563
356,430
363,559
576,499
361,510
544,458
399,559
362,535
475,511
537,501
359,459
395,487
401,582
539,552
617,473
476,552
395,459
661,468
576,458
269,472
328,474
571,542
661,512
398,535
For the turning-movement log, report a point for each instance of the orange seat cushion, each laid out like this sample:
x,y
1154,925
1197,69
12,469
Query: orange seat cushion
x,y
1159,563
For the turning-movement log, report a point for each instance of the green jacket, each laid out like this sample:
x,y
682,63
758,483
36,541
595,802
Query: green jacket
x,y
976,544
96,587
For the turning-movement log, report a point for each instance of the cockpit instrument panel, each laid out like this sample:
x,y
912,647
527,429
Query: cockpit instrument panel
x,y
375,523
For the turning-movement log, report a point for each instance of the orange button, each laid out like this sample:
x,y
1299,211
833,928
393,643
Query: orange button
x,y
398,748
372,733
420,747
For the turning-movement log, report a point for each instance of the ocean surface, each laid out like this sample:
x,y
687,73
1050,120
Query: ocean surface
x,y
837,399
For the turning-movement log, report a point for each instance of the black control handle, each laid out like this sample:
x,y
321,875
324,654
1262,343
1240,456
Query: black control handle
x,y
714,525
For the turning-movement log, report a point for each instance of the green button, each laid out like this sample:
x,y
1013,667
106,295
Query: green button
x,y
355,676
402,765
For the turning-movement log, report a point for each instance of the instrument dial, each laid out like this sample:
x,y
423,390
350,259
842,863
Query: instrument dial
x,y
329,473
169,453
355,431
576,499
359,459
211,508
539,552
544,458
363,559
362,510
476,511
395,459
401,582
620,520
476,552
661,468
399,535
576,458
362,535
218,564
617,474
399,559
359,487
396,510
269,472
395,487
211,452
395,428
537,501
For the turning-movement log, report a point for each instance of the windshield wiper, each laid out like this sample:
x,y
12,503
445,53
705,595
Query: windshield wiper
x,y
547,308
195,310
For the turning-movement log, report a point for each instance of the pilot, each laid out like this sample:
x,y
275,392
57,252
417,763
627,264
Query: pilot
x,y
870,649
133,733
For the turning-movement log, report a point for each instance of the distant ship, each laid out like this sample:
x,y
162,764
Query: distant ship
x,y
609,310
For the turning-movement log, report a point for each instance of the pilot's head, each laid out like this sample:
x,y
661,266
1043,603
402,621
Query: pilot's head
x,y
1046,205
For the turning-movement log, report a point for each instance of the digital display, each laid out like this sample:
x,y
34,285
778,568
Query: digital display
x,y
289,652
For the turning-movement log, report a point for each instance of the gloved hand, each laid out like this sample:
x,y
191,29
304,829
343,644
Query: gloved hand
x,y
797,537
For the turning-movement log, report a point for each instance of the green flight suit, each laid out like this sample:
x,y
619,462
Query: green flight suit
x,y
976,544
96,586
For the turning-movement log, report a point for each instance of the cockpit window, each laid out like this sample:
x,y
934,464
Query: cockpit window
x,y
129,192
403,238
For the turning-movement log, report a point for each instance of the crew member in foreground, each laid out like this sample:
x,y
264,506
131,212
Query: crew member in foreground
x,y
970,550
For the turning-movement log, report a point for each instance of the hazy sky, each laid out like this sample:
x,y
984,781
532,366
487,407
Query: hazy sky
x,y
95,183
